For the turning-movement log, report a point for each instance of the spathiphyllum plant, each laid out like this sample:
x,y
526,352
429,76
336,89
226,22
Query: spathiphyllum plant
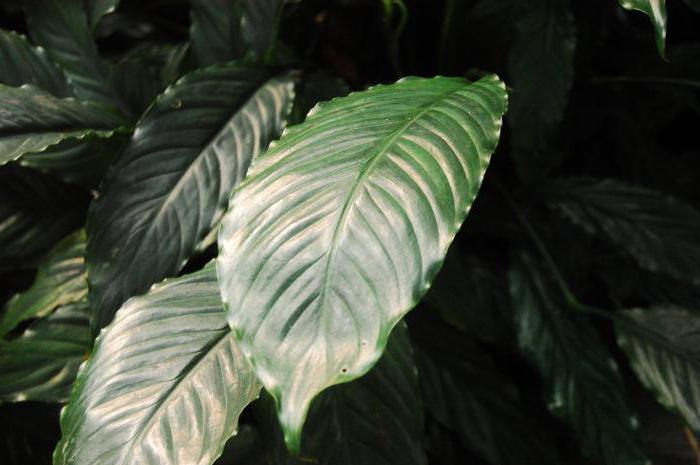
x,y
349,232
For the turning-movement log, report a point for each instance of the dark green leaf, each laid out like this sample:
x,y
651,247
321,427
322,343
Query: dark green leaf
x,y
96,9
61,280
35,213
375,420
32,120
541,68
61,27
165,384
581,379
82,161
656,11
168,190
137,85
215,30
24,64
343,223
42,363
693,4
659,232
464,392
663,345
260,21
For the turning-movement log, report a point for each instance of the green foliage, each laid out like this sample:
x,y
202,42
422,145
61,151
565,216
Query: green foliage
x,y
275,232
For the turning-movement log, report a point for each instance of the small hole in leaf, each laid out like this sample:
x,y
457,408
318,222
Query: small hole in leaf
x,y
344,370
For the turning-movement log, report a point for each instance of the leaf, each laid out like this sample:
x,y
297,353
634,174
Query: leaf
x,y
215,31
61,280
32,120
659,232
24,64
36,212
375,420
165,384
581,380
42,363
260,22
96,9
366,194
81,161
656,11
541,67
464,391
693,5
61,27
168,190
663,346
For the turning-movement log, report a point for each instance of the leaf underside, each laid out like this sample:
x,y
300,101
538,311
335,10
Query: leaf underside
x,y
366,194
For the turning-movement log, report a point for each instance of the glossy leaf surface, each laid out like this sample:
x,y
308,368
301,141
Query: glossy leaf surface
x,y
659,232
663,345
24,64
580,378
341,226
656,11
165,384
61,280
375,420
42,363
169,188
32,120
96,9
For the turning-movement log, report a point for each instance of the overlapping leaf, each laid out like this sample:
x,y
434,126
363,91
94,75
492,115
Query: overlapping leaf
x,y
663,345
32,120
659,232
376,420
580,377
62,28
24,64
96,9
656,11
61,280
464,392
260,22
215,31
341,226
165,384
42,363
541,67
168,189
36,212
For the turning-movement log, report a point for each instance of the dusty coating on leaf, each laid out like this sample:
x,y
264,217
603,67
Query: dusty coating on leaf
x,y
340,227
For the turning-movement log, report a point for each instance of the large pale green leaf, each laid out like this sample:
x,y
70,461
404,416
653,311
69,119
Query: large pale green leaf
x,y
340,227
168,190
581,381
61,280
62,28
32,120
663,345
42,363
541,68
165,384
464,392
656,11
24,64
215,31
376,420
36,212
659,232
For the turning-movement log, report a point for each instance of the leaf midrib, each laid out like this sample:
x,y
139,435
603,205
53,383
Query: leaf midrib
x,y
364,173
